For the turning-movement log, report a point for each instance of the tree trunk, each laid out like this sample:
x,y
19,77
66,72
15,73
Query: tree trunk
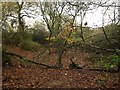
x,y
119,12
60,53
20,22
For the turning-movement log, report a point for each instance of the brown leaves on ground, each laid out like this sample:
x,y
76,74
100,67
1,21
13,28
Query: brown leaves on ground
x,y
23,75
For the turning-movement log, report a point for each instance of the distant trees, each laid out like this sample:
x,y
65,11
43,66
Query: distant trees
x,y
8,10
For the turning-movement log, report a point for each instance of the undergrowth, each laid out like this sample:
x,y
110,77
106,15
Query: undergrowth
x,y
111,62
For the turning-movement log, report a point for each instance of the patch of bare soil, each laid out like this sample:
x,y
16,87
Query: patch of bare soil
x,y
24,75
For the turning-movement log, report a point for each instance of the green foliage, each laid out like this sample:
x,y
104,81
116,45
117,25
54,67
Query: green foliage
x,y
23,40
114,62
39,32
7,37
28,44
109,67
111,62
60,41
39,36
14,38
98,59
86,34
6,60
115,59
96,36
113,32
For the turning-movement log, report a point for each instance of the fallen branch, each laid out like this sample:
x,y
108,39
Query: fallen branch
x,y
24,59
77,66
56,67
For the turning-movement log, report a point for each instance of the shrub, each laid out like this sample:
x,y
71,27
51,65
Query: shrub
x,y
39,36
113,32
6,37
114,62
14,38
111,62
28,44
6,59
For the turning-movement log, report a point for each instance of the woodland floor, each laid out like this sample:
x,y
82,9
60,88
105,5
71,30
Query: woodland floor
x,y
24,75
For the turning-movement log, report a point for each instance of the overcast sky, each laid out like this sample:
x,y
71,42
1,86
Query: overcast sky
x,y
93,17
